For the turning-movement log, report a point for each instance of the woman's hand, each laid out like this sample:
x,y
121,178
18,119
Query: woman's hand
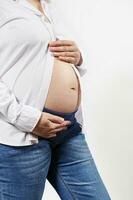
x,y
49,125
66,50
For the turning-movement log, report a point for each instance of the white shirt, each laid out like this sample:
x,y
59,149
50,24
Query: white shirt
x,y
26,66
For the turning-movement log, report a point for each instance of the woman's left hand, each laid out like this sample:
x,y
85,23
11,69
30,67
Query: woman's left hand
x,y
66,50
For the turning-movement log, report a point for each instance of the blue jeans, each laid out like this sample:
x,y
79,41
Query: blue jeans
x,y
65,161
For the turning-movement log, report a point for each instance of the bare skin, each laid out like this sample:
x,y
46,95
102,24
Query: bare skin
x,y
64,90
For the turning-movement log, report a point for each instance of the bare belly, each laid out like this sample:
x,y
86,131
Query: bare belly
x,y
64,94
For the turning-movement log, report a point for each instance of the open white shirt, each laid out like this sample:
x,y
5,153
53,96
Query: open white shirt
x,y
26,66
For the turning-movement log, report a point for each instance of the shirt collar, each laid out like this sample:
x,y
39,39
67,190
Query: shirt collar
x,y
28,5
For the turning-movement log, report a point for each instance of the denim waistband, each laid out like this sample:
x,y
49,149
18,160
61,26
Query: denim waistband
x,y
73,129
67,116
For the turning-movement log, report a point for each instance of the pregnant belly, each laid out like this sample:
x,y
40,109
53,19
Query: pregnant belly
x,y
64,94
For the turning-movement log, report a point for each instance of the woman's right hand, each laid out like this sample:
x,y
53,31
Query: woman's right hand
x,y
49,124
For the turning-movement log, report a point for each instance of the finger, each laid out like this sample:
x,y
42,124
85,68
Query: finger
x,y
52,135
65,123
67,59
61,43
63,48
68,54
57,130
53,127
56,119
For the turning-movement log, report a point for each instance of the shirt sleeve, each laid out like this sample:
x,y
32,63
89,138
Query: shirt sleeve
x,y
24,117
82,68
62,31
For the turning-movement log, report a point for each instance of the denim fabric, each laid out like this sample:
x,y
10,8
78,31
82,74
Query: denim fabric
x,y
66,162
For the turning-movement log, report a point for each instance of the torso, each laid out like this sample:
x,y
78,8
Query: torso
x,y
64,94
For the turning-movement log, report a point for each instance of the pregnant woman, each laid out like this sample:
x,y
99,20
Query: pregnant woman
x,y
41,134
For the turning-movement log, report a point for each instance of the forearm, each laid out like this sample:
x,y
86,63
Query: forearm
x,y
24,117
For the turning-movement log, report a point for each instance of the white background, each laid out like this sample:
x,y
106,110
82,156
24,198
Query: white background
x,y
105,29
